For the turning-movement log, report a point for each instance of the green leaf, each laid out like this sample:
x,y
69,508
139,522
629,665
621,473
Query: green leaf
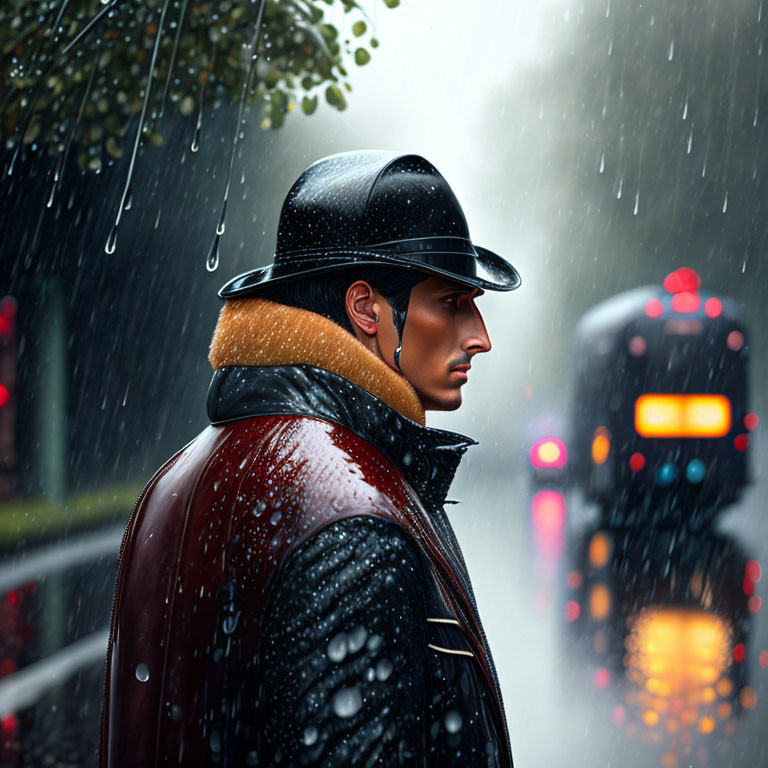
x,y
362,57
335,97
358,28
309,104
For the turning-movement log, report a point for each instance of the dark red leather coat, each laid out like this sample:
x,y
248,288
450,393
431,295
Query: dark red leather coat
x,y
292,450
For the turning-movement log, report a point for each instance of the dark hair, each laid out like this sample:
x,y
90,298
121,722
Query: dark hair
x,y
326,294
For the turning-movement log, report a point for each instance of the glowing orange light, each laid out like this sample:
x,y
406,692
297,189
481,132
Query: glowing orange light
x,y
713,306
751,421
654,308
669,759
663,415
600,549
748,697
706,725
599,602
724,710
548,452
725,687
650,718
678,655
601,445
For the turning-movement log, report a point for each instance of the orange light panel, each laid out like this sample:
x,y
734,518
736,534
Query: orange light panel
x,y
658,415
601,445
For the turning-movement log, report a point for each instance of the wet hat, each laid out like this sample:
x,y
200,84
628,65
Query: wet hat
x,y
374,208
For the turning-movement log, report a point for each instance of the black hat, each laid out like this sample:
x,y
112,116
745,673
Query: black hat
x,y
374,208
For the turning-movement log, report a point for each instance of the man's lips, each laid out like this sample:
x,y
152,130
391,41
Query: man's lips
x,y
461,370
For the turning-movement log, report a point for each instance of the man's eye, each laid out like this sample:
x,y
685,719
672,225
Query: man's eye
x,y
451,301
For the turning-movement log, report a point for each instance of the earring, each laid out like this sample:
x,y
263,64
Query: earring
x,y
375,318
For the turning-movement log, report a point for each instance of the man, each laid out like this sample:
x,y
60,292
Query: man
x,y
290,589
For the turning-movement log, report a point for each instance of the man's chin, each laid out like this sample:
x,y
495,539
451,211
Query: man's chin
x,y
447,401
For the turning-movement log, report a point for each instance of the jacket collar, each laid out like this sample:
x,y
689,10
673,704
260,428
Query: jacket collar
x,y
428,458
258,332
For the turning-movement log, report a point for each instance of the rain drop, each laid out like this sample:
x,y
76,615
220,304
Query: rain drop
x,y
602,162
725,203
111,240
212,262
685,109
637,202
671,53
310,735
453,721
142,673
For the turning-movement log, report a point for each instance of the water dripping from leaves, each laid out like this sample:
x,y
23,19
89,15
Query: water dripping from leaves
x,y
212,262
180,24
42,81
62,158
137,139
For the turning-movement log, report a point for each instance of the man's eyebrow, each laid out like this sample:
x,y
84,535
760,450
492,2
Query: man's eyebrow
x,y
458,288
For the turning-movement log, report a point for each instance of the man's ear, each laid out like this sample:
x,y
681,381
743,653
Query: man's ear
x,y
362,308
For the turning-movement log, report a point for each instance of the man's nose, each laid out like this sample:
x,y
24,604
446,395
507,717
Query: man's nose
x,y
475,336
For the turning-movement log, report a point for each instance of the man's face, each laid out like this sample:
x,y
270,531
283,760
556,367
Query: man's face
x,y
443,332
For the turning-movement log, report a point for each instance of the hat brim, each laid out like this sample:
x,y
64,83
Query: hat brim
x,y
493,273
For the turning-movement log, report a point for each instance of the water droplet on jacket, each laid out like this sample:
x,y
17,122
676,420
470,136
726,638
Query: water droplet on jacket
x,y
407,459
347,702
310,735
357,638
142,673
453,721
216,485
384,669
229,625
337,648
259,508
276,517
176,713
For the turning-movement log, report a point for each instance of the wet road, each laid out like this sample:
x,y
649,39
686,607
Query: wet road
x,y
556,715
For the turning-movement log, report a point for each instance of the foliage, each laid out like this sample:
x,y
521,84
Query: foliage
x,y
92,93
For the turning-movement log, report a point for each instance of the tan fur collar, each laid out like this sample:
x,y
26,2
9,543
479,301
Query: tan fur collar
x,y
259,332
